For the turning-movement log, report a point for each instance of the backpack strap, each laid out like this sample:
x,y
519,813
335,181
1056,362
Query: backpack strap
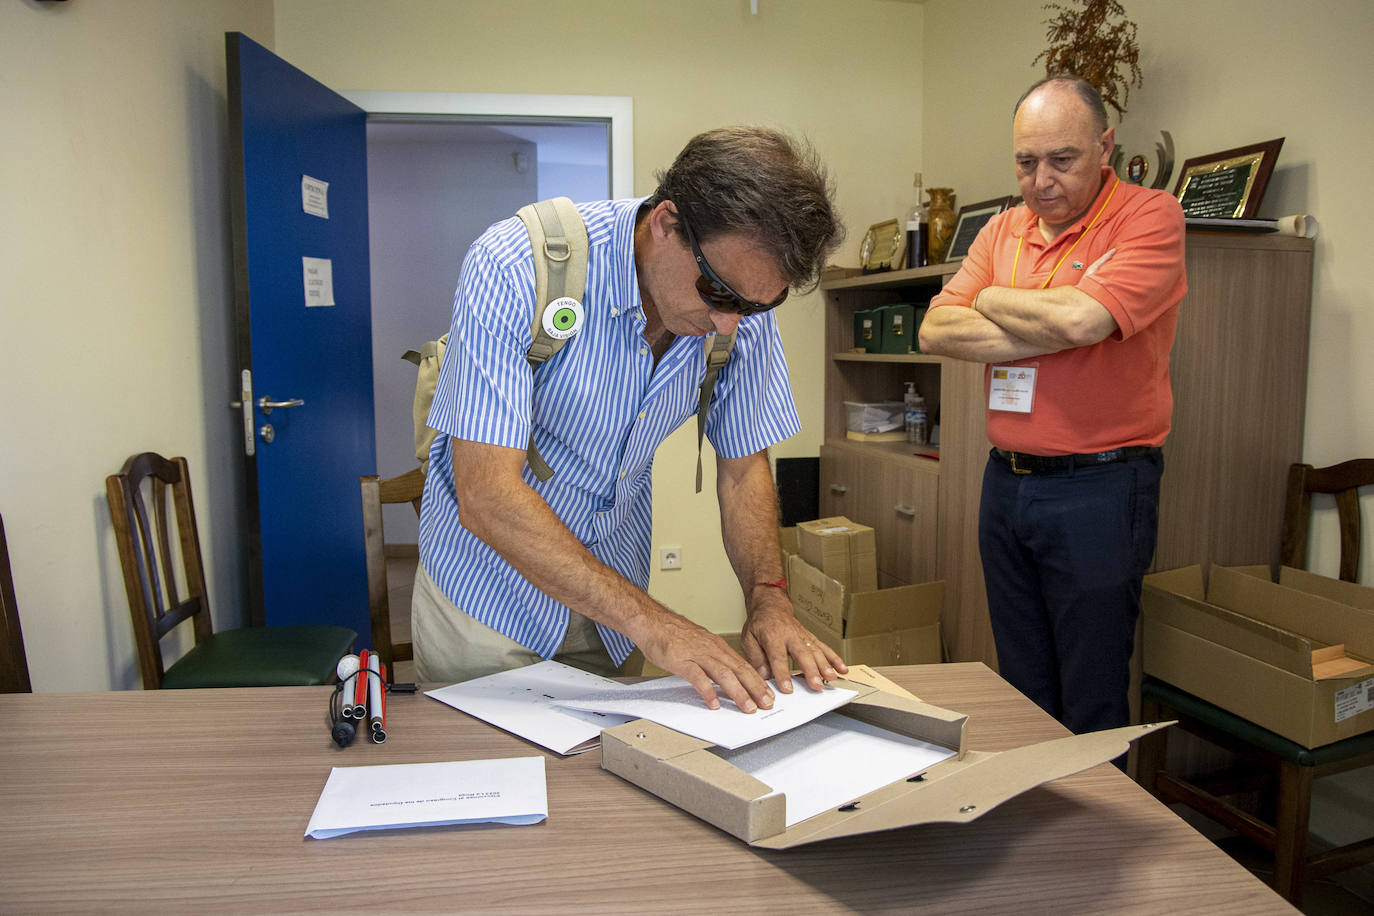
x,y
558,238
717,355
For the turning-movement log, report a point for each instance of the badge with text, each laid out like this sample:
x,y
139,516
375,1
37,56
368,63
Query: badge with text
x,y
1012,388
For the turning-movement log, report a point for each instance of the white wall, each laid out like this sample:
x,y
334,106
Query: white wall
x,y
116,333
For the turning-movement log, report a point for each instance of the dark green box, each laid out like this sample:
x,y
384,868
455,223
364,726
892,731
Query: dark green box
x,y
901,323
868,330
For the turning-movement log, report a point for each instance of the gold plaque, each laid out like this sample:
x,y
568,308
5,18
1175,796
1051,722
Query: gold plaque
x,y
883,247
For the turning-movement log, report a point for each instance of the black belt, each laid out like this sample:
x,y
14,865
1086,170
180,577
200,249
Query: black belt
x,y
1023,463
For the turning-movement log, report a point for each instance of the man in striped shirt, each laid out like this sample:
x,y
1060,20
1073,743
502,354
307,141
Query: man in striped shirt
x,y
514,570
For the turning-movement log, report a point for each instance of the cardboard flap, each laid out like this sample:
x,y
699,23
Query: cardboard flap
x,y
964,790
894,713
687,774
897,608
1186,581
1329,622
820,597
1351,593
1271,645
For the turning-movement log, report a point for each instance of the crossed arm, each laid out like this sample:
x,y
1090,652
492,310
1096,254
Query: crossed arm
x,y
510,517
1004,324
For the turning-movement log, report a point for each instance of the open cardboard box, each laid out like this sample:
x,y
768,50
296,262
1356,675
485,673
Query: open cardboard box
x,y
1285,656
684,771
890,626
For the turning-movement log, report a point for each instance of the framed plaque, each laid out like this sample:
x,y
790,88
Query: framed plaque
x,y
972,218
1227,184
883,247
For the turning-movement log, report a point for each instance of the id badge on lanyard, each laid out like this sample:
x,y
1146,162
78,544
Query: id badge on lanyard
x,y
1011,388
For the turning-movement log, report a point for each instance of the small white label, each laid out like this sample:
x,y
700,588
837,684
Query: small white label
x,y
1011,388
1354,700
315,196
319,281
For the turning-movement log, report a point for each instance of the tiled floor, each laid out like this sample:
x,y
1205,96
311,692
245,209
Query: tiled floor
x,y
1322,898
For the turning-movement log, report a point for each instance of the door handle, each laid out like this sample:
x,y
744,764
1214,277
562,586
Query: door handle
x,y
267,405
838,488
904,510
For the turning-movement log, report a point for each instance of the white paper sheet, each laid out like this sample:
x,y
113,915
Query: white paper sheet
x,y
522,701
673,702
429,795
832,761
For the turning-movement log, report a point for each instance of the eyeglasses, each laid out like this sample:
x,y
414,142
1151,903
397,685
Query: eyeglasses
x,y
714,291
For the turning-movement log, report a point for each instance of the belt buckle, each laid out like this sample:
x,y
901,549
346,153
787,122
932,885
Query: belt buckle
x,y
1014,468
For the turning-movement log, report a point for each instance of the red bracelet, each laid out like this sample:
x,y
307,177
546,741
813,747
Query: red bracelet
x,y
781,583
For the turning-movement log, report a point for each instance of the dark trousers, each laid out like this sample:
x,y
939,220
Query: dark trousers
x,y
1063,556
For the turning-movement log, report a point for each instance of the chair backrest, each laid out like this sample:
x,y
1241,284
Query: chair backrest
x,y
405,488
151,576
14,664
1341,480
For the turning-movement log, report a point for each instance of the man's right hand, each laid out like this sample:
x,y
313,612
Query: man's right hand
x,y
705,661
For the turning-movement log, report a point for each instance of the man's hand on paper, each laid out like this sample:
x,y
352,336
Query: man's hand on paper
x,y
772,634
705,661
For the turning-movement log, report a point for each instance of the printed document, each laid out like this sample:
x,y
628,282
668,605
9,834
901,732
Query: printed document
x,y
429,795
673,702
523,701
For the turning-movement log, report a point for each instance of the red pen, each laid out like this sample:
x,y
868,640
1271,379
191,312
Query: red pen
x,y
360,694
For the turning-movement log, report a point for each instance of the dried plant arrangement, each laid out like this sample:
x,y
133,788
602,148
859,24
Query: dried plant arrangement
x,y
1085,41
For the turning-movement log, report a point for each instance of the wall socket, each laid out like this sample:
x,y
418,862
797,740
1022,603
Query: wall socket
x,y
670,558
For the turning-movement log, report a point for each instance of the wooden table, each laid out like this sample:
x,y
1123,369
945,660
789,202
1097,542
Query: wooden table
x,y
198,800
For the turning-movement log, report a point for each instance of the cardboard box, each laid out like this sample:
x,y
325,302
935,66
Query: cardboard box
x,y
1284,656
684,771
891,626
843,550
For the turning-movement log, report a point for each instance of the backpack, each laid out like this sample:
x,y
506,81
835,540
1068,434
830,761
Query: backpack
x,y
557,232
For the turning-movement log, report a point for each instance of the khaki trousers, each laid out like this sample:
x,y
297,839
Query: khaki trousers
x,y
451,646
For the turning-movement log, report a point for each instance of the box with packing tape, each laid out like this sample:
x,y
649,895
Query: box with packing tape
x,y
720,786
890,626
1296,657
845,551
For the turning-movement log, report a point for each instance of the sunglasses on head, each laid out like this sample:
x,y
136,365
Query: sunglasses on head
x,y
714,291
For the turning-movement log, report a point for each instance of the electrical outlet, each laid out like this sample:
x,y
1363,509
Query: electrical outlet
x,y
670,558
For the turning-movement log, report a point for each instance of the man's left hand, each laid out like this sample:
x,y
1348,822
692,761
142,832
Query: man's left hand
x,y
771,635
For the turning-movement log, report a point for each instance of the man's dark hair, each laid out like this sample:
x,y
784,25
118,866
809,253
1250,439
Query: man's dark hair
x,y
763,184
1086,92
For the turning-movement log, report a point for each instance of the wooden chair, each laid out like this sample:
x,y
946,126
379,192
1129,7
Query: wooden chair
x,y
405,488
1341,480
247,657
14,664
1265,760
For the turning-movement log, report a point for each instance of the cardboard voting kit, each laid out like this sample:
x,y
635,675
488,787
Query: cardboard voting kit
x,y
1296,657
845,551
689,773
890,626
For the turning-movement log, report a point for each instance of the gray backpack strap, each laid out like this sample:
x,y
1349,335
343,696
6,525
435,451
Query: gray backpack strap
x,y
558,238
717,355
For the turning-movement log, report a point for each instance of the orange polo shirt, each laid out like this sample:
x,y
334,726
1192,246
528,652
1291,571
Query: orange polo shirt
x,y
1113,393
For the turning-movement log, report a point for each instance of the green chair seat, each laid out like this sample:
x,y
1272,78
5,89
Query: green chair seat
x,y
262,657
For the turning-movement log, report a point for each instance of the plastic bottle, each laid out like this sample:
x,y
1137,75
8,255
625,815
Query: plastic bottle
x,y
915,415
917,228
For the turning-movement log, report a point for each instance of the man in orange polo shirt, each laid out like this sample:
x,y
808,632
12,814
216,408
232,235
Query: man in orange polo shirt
x,y
1072,301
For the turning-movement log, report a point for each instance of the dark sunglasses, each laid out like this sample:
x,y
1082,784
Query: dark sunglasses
x,y
714,291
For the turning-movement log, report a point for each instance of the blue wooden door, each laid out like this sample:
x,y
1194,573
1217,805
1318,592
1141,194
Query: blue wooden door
x,y
298,192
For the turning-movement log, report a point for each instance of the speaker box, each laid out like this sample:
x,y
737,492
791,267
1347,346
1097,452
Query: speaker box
x,y
799,489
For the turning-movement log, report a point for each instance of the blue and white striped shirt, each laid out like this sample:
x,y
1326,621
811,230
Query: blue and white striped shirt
x,y
600,410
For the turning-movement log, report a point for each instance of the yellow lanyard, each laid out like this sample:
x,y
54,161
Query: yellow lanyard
x,y
1093,222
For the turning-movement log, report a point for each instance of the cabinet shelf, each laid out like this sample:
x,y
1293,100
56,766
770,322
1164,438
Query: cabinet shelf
x,y
900,451
848,357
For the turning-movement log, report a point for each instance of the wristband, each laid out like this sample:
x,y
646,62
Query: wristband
x,y
781,583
